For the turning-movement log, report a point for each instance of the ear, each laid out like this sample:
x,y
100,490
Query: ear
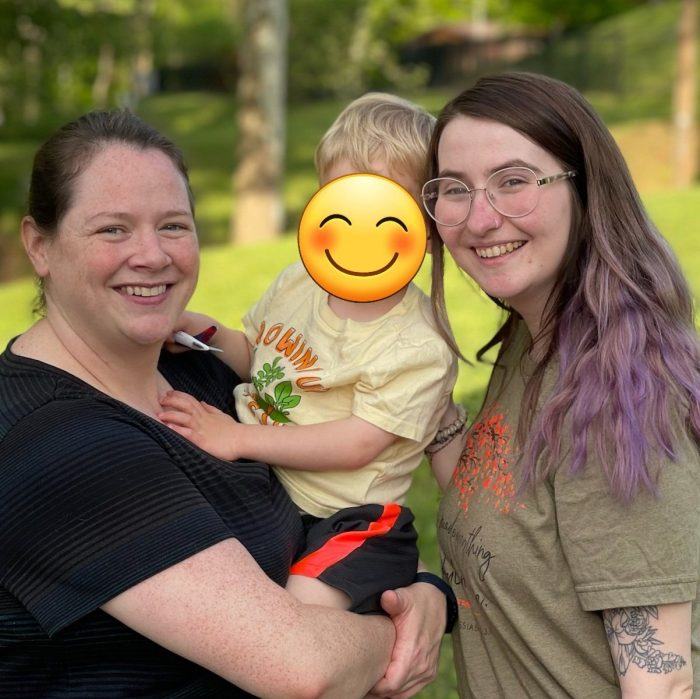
x,y
36,246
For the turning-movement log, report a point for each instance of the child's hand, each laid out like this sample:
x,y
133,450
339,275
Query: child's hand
x,y
193,324
206,426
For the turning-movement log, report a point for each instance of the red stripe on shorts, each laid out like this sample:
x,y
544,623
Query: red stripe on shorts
x,y
343,544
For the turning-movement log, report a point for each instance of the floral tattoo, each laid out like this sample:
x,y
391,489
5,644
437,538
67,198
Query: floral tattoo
x,y
633,640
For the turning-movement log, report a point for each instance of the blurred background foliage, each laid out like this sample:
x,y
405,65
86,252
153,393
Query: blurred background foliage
x,y
176,63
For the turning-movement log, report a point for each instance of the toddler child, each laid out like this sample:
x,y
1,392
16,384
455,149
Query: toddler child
x,y
343,397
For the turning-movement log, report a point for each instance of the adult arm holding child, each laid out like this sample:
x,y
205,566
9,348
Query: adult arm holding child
x,y
444,455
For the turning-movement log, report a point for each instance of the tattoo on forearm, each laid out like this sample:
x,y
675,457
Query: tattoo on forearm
x,y
633,640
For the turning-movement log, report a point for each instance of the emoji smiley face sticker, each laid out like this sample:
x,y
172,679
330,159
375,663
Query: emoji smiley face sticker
x,y
362,237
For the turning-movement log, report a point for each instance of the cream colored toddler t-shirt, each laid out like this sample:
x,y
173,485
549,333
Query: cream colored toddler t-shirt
x,y
309,366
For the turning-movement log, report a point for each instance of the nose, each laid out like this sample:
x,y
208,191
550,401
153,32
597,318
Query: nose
x,y
482,217
149,250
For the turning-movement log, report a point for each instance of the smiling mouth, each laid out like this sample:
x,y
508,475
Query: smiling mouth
x,y
499,250
361,274
143,290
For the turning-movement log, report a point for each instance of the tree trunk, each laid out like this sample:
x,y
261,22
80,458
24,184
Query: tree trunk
x,y
105,74
684,96
142,76
258,213
33,35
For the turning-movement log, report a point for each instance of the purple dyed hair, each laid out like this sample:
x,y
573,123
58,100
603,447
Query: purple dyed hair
x,y
620,316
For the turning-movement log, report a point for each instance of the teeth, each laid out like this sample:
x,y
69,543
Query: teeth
x,y
145,290
498,250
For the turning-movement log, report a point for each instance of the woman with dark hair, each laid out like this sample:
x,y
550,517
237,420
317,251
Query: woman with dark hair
x,y
570,524
132,564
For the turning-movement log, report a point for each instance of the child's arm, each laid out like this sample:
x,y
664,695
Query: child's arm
x,y
340,445
236,348
444,461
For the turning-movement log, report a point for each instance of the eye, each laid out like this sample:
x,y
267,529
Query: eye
x,y
112,231
454,189
511,184
175,228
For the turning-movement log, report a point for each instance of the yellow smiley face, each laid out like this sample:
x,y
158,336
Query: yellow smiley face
x,y
362,237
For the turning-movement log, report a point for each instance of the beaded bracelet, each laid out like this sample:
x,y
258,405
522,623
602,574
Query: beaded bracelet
x,y
447,434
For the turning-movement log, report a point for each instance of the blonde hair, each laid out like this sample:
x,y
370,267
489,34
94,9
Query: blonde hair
x,y
378,126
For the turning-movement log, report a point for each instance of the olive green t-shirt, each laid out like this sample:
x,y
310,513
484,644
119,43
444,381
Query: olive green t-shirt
x,y
532,570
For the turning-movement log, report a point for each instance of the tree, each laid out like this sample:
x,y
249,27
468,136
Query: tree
x,y
259,212
684,96
142,66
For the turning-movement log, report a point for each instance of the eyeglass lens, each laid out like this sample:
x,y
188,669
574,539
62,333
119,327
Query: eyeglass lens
x,y
513,192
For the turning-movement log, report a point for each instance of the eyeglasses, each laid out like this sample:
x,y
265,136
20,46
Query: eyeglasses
x,y
513,192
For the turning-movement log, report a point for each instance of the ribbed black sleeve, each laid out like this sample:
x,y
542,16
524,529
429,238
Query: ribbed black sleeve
x,y
90,509
96,497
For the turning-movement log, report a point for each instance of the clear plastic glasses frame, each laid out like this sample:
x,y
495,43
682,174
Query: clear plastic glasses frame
x,y
513,192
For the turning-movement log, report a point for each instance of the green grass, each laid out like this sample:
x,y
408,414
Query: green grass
x,y
233,278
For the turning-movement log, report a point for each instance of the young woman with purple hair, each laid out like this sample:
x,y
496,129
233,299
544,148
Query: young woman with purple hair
x,y
570,525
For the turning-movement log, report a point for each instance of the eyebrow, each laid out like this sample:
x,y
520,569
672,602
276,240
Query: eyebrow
x,y
332,216
515,162
176,212
387,219
123,215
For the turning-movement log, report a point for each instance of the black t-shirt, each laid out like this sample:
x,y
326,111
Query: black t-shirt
x,y
96,497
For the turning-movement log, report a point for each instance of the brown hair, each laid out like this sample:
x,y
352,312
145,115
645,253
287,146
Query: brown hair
x,y
61,159
619,319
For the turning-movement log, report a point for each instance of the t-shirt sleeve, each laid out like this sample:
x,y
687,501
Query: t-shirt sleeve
x,y
642,553
407,391
90,506
260,310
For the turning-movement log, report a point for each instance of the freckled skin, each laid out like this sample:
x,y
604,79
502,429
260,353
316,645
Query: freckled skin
x,y
365,261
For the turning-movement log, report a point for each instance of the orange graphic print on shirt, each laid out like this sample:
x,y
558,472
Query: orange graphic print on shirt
x,y
483,470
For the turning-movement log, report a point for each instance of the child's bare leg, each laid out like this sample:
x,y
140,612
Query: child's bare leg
x,y
313,591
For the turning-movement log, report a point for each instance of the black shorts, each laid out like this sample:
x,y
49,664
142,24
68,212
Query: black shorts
x,y
361,551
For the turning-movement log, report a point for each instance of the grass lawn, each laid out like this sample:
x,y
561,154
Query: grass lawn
x,y
233,278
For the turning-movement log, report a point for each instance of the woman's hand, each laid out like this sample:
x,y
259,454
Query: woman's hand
x,y
201,423
419,616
